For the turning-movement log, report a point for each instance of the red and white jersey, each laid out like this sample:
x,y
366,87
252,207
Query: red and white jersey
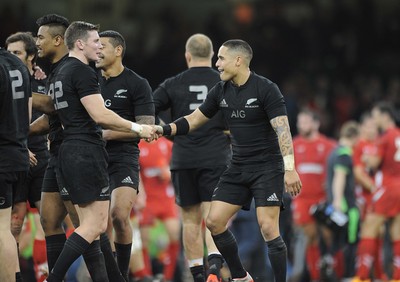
x,y
154,169
310,157
361,149
389,151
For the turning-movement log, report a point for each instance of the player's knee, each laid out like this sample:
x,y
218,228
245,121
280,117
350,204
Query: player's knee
x,y
50,224
268,228
212,224
120,221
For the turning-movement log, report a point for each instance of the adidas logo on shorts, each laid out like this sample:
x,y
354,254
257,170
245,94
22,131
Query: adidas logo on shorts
x,y
127,180
273,198
64,192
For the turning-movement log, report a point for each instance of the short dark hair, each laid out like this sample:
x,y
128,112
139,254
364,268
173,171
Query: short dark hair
x,y
350,129
387,108
78,30
57,23
116,39
313,114
240,46
28,40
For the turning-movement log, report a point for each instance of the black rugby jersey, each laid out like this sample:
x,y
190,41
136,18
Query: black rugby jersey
x,y
248,110
38,142
72,81
56,131
182,94
15,90
129,95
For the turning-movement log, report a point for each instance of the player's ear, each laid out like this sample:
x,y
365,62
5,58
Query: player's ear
x,y
188,56
119,50
238,61
58,40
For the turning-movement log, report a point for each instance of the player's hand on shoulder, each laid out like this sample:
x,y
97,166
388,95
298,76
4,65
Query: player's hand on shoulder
x,y
292,182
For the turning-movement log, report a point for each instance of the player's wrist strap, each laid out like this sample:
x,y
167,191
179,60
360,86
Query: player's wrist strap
x,y
136,128
288,160
166,130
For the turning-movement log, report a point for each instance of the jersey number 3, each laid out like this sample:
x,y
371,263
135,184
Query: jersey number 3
x,y
201,91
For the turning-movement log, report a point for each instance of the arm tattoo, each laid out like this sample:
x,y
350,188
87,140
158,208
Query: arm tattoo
x,y
281,126
145,120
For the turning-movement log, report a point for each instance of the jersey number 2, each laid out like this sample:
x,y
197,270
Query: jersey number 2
x,y
15,83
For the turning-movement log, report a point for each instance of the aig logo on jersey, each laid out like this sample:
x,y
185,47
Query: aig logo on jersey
x,y
120,93
238,114
251,103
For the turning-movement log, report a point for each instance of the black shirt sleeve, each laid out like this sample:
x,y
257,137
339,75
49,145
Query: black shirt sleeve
x,y
210,105
273,101
161,99
143,103
86,81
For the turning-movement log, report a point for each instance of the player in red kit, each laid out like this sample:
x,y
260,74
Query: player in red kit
x,y
311,150
160,199
366,145
365,179
386,198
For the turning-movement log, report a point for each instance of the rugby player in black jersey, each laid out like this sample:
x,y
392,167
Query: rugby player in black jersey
x,y
54,205
15,114
22,44
262,164
55,200
82,157
130,96
199,158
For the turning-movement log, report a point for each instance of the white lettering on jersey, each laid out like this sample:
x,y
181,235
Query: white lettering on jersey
x,y
238,114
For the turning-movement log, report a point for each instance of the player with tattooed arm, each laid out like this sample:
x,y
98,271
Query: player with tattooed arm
x,y
262,163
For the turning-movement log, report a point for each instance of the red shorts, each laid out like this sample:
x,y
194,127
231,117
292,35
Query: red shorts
x,y
162,211
301,210
386,201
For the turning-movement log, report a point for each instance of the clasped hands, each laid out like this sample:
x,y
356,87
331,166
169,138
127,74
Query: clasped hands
x,y
151,132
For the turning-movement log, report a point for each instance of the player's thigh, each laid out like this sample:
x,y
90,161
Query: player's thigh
x,y
123,173
5,219
267,187
208,179
52,210
83,171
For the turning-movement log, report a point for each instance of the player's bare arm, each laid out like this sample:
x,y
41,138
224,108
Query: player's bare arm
x,y
150,120
183,125
292,181
40,126
94,105
338,186
42,103
125,136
